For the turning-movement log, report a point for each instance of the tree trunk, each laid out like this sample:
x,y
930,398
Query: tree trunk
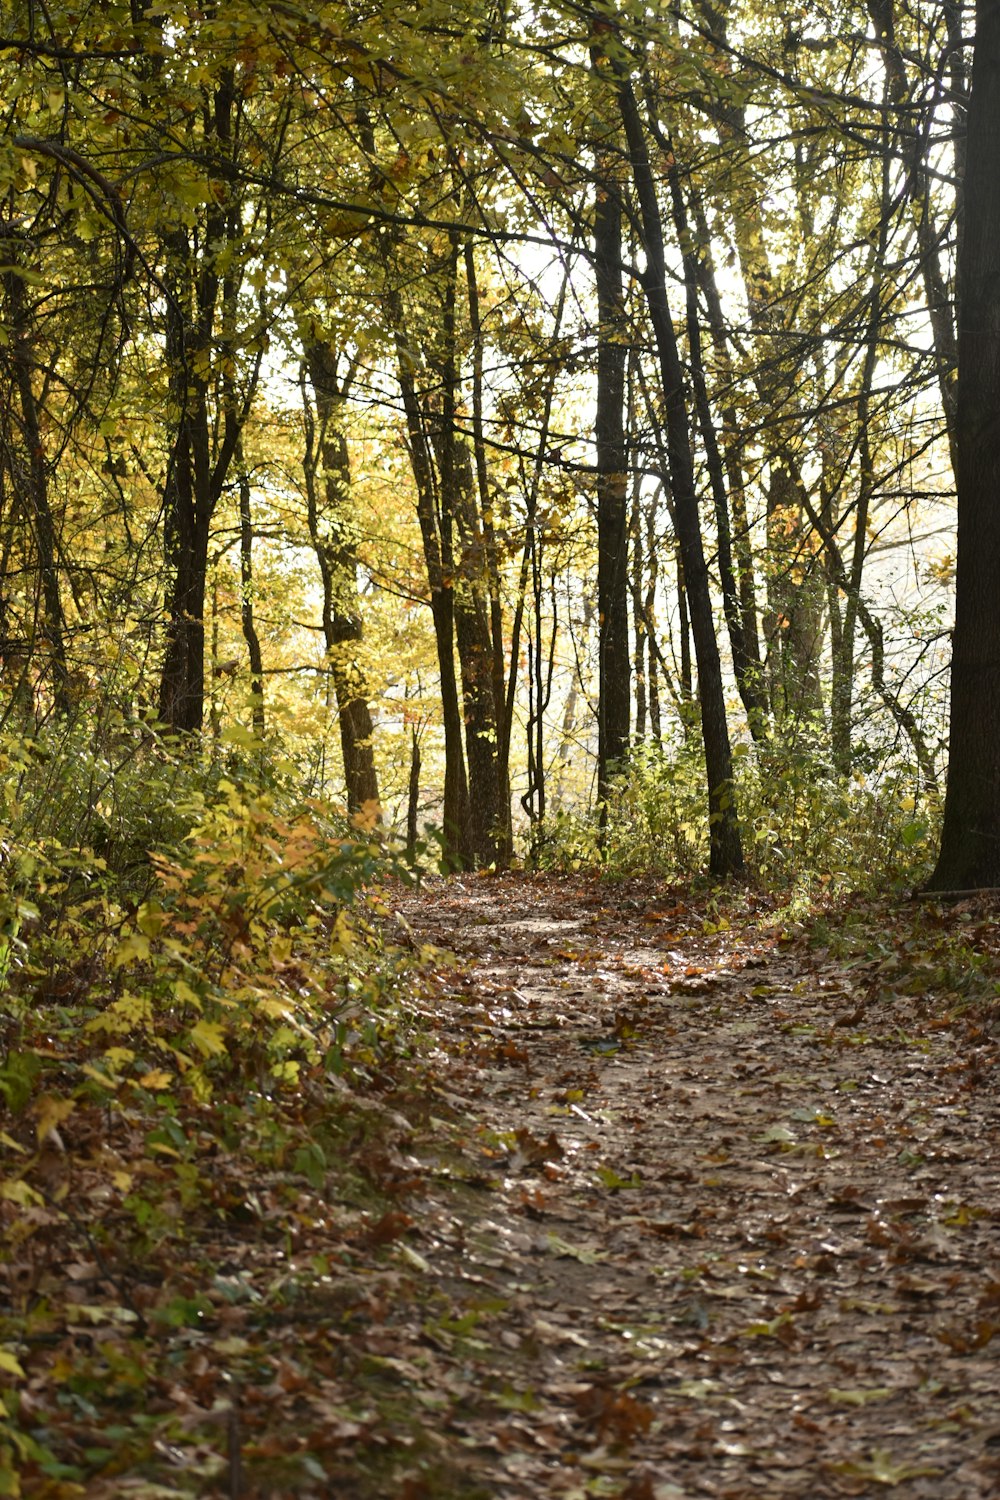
x,y
487,816
246,605
188,509
639,630
743,645
440,583
793,627
612,518
36,483
413,797
649,619
685,675
336,552
731,449
207,432
843,628
914,142
970,842
504,833
726,852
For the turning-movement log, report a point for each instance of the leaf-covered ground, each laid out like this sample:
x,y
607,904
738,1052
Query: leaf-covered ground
x,y
670,1201
736,1228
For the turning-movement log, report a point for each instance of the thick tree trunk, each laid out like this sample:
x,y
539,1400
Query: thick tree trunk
x,y
188,508
487,820
970,843
208,425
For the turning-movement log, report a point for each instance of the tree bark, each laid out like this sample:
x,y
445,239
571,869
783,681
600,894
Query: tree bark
x,y
204,442
970,844
487,817
35,485
743,646
614,688
188,508
639,628
336,552
504,833
439,562
246,605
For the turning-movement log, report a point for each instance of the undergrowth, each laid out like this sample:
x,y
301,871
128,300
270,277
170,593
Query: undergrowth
x,y
804,829
197,992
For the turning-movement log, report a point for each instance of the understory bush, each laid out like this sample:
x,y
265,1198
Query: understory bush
x,y
180,918
802,826
187,1053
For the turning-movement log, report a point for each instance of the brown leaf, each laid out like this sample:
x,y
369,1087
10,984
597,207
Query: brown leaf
x,y
392,1226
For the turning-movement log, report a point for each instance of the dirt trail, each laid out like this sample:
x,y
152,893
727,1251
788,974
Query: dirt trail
x,y
727,1224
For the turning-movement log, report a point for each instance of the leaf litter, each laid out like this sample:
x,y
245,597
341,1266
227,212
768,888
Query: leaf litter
x,y
666,1200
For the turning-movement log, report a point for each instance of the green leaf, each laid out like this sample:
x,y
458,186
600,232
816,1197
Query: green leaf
x,y
561,1247
858,1395
881,1468
614,1183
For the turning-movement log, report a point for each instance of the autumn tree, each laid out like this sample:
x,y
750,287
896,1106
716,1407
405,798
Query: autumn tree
x,y
724,834
614,696
970,843
333,535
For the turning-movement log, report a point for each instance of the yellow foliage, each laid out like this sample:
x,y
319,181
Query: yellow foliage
x,y
50,1111
209,1038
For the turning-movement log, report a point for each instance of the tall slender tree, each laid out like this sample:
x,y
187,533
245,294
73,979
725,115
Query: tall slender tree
x,y
614,687
331,531
725,844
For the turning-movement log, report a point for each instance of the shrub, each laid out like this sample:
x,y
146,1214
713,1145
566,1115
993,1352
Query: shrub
x,y
802,826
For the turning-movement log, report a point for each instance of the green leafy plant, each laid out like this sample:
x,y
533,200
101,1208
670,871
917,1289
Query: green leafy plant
x,y
803,827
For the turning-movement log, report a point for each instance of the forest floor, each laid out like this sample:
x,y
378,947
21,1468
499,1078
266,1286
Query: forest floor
x,y
675,1200
734,1230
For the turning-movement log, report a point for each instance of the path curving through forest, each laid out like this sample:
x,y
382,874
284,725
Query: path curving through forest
x,y
725,1222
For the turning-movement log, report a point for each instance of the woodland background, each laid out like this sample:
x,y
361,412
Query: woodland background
x,y
454,437
470,405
